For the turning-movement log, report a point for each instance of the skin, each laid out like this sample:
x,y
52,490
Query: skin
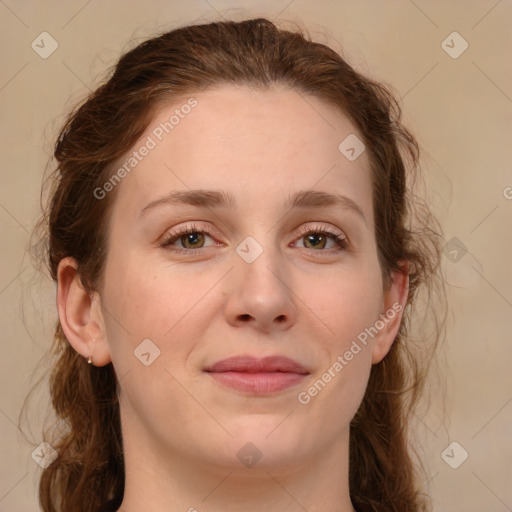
x,y
181,429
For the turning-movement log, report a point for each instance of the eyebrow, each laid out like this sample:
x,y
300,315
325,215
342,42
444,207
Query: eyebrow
x,y
222,199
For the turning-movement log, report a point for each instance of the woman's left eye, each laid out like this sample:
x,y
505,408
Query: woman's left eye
x,y
193,237
317,237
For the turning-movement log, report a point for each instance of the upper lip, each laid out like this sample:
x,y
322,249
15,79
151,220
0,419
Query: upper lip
x,y
251,364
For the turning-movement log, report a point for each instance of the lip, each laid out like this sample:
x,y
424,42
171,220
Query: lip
x,y
260,376
251,364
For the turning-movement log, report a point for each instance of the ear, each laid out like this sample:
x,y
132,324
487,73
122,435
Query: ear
x,y
393,305
81,314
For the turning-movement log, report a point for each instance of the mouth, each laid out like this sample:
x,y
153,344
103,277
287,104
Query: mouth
x,y
257,376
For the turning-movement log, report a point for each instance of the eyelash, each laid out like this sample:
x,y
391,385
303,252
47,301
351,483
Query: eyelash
x,y
172,237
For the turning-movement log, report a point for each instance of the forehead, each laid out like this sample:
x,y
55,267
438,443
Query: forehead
x,y
258,145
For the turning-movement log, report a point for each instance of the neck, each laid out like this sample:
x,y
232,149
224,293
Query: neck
x,y
160,480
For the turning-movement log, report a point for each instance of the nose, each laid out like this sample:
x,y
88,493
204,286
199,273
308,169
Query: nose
x,y
261,295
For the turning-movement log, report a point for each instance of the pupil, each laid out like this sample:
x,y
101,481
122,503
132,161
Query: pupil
x,y
312,237
192,238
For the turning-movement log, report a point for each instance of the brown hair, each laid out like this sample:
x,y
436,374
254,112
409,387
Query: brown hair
x,y
88,475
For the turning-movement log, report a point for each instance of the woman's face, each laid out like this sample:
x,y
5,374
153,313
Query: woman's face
x,y
254,277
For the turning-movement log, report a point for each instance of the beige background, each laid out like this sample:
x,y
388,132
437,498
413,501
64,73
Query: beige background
x,y
460,110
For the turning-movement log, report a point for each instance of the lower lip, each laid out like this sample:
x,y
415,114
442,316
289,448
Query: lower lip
x,y
258,383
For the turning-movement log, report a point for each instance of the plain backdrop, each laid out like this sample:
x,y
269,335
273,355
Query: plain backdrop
x,y
457,100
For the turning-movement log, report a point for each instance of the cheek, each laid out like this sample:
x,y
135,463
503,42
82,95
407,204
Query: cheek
x,y
152,329
346,302
169,307
348,305
335,393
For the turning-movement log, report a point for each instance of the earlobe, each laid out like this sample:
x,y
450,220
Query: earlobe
x,y
80,315
395,300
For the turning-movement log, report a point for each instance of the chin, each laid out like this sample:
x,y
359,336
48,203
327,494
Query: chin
x,y
271,443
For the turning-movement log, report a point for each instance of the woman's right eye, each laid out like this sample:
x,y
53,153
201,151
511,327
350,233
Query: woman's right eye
x,y
191,236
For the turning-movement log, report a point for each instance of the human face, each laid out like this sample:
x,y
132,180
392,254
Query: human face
x,y
200,300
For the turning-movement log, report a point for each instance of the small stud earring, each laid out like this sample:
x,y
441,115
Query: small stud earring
x,y
89,360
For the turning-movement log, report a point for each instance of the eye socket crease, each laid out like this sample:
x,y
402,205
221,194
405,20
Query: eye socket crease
x,y
221,199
